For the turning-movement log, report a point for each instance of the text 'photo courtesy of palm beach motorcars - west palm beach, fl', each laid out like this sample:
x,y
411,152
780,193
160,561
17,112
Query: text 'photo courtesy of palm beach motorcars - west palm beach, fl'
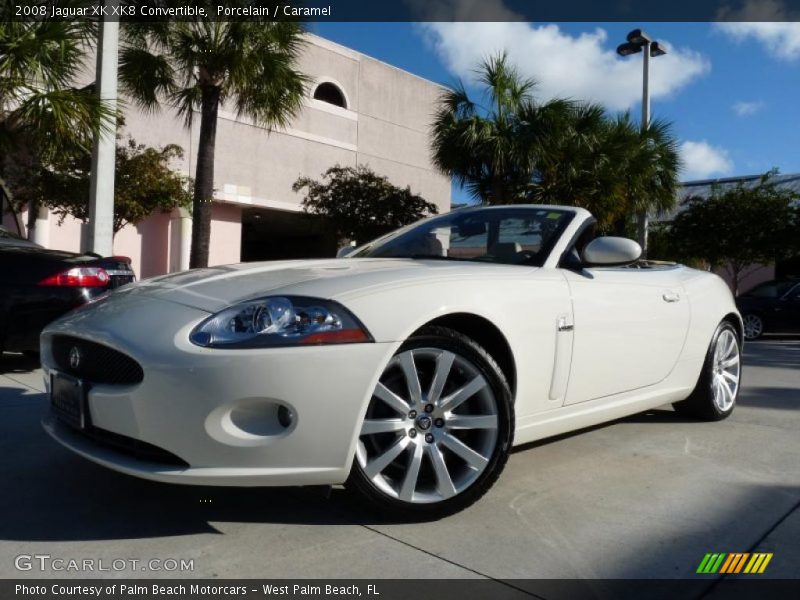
x,y
441,294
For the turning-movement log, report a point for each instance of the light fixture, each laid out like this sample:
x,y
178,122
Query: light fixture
x,y
637,36
656,49
628,48
638,40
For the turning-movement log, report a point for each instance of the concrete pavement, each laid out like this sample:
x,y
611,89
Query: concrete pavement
x,y
644,497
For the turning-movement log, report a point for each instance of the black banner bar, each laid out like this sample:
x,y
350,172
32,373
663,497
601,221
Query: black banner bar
x,y
744,588
407,10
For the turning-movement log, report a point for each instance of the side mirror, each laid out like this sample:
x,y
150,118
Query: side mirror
x,y
345,251
611,251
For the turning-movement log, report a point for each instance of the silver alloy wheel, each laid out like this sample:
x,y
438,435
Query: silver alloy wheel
x,y
753,326
726,370
427,445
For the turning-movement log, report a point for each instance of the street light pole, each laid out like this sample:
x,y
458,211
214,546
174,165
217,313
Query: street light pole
x,y
639,41
104,153
642,221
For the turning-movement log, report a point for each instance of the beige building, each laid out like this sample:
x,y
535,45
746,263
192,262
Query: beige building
x,y
358,110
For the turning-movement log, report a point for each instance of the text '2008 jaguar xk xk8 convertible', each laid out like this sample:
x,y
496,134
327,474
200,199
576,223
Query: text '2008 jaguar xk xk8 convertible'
x,y
405,370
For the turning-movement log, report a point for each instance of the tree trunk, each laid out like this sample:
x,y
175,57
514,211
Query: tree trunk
x,y
621,226
497,191
736,273
33,211
204,179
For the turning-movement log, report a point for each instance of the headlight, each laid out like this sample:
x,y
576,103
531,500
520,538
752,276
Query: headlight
x,y
280,321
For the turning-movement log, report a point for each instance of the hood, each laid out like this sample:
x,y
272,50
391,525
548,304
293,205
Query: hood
x,y
215,288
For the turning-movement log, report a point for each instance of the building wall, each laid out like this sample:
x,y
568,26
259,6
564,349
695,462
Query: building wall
x,y
755,274
385,125
226,224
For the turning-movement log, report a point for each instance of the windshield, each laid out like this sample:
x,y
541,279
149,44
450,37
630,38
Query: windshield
x,y
513,235
771,289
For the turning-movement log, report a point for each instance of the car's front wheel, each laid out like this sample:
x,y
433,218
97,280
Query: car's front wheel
x,y
437,430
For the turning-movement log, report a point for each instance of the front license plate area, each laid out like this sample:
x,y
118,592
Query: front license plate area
x,y
68,400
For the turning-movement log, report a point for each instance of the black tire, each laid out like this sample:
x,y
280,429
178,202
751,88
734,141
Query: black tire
x,y
701,403
440,338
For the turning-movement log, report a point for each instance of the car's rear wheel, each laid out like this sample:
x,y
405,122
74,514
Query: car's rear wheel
x,y
714,397
437,430
753,326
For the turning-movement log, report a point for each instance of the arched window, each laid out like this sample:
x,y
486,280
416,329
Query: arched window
x,y
330,93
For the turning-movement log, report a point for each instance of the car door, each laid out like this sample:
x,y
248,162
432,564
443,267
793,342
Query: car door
x,y
629,328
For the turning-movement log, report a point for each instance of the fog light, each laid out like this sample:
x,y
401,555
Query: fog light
x,y
285,416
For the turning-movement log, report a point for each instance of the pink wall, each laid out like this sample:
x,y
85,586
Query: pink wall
x,y
151,243
67,236
147,244
226,234
755,274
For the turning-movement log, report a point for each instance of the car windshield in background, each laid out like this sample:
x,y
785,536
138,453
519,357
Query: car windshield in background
x,y
771,289
514,236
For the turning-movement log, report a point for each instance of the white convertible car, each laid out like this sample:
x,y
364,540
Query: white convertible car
x,y
406,370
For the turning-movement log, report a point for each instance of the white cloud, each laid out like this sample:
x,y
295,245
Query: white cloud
x,y
746,109
781,40
701,160
769,23
583,67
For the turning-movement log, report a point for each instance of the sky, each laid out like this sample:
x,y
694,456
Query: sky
x,y
732,91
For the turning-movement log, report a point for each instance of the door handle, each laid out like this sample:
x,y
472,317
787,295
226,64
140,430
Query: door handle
x,y
670,296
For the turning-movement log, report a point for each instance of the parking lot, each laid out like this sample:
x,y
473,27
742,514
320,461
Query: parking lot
x,y
644,497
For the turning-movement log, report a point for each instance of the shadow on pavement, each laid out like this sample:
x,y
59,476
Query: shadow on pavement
x,y
784,398
772,353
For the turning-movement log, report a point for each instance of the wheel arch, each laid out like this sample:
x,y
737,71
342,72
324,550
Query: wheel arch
x,y
736,320
486,334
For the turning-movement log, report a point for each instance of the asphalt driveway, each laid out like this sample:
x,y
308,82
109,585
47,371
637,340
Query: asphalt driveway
x,y
644,497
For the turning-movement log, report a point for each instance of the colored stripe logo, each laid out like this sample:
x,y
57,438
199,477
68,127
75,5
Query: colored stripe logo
x,y
732,563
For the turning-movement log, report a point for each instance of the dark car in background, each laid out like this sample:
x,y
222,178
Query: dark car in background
x,y
39,285
771,307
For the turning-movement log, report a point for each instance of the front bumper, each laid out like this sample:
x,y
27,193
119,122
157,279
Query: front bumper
x,y
217,410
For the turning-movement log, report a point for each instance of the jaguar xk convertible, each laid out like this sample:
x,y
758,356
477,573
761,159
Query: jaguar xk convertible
x,y
406,370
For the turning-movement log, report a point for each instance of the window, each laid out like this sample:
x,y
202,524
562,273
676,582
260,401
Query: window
x,y
771,289
330,93
499,235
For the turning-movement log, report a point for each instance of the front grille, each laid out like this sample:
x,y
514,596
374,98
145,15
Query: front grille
x,y
133,447
97,363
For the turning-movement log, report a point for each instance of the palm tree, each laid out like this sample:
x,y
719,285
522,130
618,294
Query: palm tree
x,y
557,152
610,167
493,150
650,168
202,65
577,165
43,116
